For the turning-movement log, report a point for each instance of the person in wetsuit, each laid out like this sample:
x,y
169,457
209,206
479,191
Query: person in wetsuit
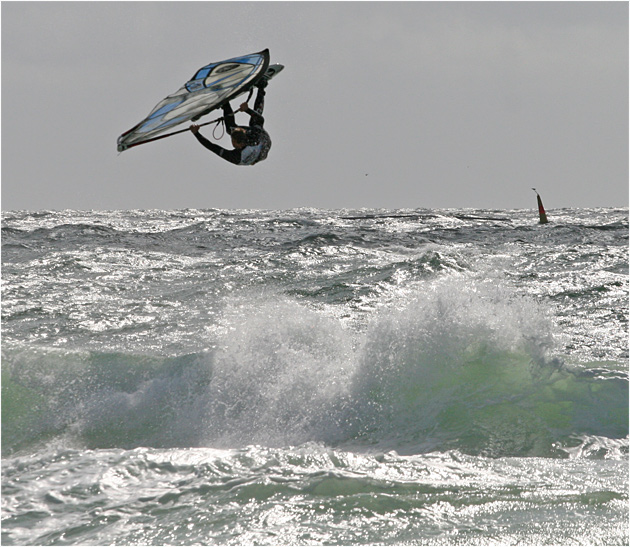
x,y
252,143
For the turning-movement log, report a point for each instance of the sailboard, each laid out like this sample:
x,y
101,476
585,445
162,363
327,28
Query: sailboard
x,y
541,210
210,88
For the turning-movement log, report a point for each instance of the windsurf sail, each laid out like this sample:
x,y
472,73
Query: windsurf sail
x,y
209,89
541,210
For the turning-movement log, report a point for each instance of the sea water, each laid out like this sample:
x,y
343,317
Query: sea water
x,y
315,377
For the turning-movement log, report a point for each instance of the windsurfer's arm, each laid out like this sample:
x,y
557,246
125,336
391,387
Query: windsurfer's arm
x,y
233,156
256,118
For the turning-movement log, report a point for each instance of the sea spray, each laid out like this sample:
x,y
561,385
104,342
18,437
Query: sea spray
x,y
281,371
460,365
471,366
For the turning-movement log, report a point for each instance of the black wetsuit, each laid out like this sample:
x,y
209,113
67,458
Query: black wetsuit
x,y
258,140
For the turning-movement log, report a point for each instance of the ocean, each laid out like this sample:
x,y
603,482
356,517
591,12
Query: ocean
x,y
315,377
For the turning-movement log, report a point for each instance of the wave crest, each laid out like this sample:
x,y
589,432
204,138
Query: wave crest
x,y
459,365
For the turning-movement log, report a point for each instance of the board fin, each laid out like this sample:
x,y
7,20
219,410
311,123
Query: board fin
x,y
541,210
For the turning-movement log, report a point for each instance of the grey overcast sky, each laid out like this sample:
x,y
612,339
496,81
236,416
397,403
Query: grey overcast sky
x,y
381,104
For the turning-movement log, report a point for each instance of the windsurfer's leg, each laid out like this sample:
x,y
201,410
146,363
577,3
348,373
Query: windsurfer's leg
x,y
259,104
228,117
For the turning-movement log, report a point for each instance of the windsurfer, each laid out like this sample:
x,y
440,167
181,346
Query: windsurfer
x,y
252,143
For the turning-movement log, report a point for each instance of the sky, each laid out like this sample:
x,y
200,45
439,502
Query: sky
x,y
381,104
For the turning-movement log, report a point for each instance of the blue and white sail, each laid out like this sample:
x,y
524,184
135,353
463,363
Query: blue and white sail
x,y
210,88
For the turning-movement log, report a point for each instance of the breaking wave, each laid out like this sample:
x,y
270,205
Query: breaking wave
x,y
456,366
